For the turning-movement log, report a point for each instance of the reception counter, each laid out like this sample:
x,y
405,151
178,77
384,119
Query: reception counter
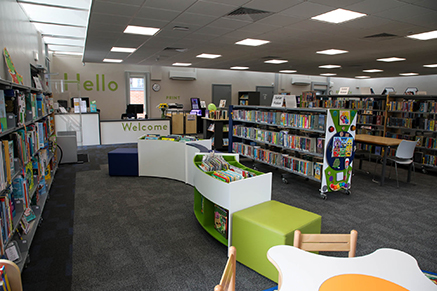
x,y
86,126
130,130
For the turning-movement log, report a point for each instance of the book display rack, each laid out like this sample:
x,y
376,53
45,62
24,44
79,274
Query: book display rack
x,y
410,117
29,163
249,98
216,200
317,144
217,130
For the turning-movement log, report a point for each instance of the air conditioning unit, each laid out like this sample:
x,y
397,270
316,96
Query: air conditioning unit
x,y
301,81
188,75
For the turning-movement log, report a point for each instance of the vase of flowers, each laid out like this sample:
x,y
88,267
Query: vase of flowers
x,y
163,107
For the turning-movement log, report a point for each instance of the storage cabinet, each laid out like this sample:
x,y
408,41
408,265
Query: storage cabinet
x,y
317,144
29,163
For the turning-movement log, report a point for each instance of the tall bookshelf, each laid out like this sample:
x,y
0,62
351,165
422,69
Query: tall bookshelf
x,y
29,161
216,129
317,144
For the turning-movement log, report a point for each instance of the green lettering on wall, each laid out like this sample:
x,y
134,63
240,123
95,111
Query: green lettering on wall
x,y
126,126
113,87
158,127
97,82
165,127
87,84
65,84
134,128
144,128
103,82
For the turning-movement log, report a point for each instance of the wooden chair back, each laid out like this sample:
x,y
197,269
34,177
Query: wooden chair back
x,y
327,242
227,282
14,275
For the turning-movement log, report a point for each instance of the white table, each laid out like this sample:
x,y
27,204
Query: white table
x,y
301,270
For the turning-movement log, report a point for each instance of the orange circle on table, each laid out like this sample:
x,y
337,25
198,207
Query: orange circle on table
x,y
359,282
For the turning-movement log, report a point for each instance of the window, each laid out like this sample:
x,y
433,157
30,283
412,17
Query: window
x,y
137,91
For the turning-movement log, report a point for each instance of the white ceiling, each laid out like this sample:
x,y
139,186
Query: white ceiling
x,y
292,34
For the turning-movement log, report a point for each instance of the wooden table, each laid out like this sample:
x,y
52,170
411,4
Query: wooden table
x,y
384,269
385,143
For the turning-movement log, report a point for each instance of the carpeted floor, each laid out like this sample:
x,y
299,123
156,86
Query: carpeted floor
x,y
124,233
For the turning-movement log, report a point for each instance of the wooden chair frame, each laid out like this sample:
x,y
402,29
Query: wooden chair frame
x,y
327,242
227,282
14,275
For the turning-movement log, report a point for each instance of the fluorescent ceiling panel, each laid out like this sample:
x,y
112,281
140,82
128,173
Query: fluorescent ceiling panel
x,y
362,77
391,59
63,41
252,42
332,52
288,71
56,48
408,74
373,71
123,49
425,35
239,68
430,66
132,29
80,4
112,60
182,64
208,56
330,66
338,16
59,30
68,53
276,62
47,14
328,74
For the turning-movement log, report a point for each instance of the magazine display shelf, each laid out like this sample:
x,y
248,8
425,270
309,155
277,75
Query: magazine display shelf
x,y
285,138
233,196
169,159
23,242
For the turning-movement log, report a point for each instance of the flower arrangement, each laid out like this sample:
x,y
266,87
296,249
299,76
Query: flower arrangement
x,y
163,107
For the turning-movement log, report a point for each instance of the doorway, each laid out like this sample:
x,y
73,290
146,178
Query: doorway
x,y
266,95
221,92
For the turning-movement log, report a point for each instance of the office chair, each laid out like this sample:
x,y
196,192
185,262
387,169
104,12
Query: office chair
x,y
326,242
404,156
227,282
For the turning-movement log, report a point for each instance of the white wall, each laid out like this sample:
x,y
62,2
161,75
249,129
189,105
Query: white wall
x,y
20,38
423,83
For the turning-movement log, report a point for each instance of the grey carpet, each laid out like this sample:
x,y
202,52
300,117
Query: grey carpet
x,y
140,233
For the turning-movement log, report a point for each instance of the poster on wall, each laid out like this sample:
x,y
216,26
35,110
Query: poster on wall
x,y
16,78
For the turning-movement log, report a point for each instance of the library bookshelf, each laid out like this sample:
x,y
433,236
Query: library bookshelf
x,y
317,144
232,197
217,130
29,159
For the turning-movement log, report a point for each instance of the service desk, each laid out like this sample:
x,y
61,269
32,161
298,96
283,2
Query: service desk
x,y
86,126
130,130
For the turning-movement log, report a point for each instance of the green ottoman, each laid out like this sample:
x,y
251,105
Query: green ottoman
x,y
258,228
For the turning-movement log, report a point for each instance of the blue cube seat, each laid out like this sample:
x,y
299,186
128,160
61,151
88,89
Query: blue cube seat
x,y
123,162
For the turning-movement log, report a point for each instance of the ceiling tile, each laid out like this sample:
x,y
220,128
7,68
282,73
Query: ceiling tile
x,y
211,8
272,6
279,20
336,3
177,5
229,23
113,19
130,2
147,22
216,31
197,19
258,28
374,6
306,10
159,14
104,7
231,2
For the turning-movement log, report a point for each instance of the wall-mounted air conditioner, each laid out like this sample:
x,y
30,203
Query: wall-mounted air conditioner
x,y
188,75
300,81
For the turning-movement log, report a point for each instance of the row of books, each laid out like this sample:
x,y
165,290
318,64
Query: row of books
x,y
4,280
413,106
425,141
217,114
371,119
346,104
306,121
281,138
173,137
18,107
211,127
213,162
429,160
416,123
227,176
276,159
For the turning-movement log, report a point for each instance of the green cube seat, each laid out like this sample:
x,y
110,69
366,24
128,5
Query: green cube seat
x,y
258,228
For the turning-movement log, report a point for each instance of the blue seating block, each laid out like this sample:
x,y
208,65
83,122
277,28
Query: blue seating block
x,y
123,162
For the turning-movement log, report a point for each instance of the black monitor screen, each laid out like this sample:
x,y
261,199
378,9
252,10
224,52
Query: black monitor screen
x,y
86,99
135,108
195,103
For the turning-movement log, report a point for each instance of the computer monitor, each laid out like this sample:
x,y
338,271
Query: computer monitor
x,y
195,103
134,109
86,99
63,103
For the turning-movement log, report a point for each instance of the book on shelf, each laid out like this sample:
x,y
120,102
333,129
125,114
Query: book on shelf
x,y
211,127
3,117
29,214
221,220
318,167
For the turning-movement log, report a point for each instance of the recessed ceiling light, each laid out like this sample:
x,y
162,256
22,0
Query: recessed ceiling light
x,y
338,16
373,71
330,66
123,49
328,74
332,52
425,35
252,42
112,60
392,59
276,62
208,56
239,68
362,77
408,74
288,71
430,66
67,53
141,30
182,64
